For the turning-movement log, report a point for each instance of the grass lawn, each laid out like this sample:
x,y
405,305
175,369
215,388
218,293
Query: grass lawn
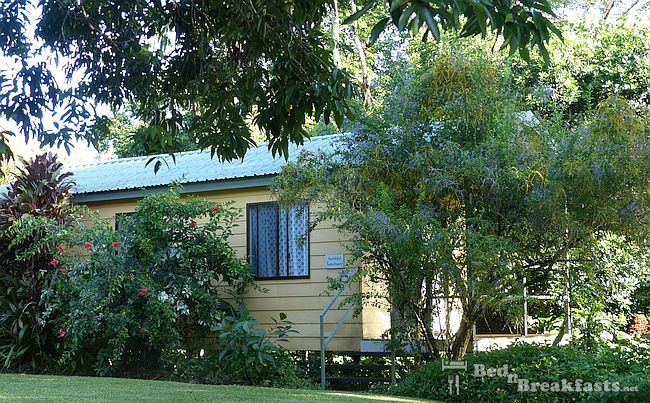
x,y
82,389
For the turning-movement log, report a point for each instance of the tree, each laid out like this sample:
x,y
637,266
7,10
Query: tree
x,y
210,67
448,194
124,137
591,64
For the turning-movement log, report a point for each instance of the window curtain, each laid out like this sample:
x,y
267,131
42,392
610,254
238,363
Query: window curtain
x,y
298,240
279,240
263,220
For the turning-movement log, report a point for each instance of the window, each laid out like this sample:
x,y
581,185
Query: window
x,y
119,219
278,240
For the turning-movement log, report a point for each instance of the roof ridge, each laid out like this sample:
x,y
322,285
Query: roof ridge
x,y
141,157
147,157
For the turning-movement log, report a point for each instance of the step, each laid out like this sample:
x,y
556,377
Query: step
x,y
375,354
363,353
369,367
356,379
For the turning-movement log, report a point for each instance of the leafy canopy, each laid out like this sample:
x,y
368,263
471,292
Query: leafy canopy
x,y
219,70
450,191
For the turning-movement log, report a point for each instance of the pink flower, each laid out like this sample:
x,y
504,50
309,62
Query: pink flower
x,y
141,330
54,262
116,244
215,208
61,333
192,224
88,245
144,291
61,248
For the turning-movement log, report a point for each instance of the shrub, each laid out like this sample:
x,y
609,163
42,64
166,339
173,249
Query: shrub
x,y
245,354
210,369
40,188
200,368
159,283
35,217
249,353
627,365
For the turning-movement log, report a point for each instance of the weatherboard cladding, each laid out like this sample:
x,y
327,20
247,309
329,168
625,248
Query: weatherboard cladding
x,y
192,167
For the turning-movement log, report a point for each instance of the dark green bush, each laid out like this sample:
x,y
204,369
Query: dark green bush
x,y
627,365
245,354
251,355
210,369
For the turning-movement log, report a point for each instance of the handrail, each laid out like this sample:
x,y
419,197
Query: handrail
x,y
324,342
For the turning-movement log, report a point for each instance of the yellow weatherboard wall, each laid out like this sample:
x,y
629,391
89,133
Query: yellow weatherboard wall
x,y
301,299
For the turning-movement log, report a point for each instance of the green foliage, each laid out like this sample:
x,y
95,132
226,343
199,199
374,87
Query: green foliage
x,y
536,363
26,335
452,191
126,140
210,69
40,188
603,289
151,286
198,368
248,353
34,217
523,25
591,64
205,68
641,298
208,368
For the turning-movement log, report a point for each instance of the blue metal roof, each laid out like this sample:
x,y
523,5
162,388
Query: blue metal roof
x,y
192,167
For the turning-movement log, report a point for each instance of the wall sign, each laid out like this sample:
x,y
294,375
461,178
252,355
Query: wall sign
x,y
334,261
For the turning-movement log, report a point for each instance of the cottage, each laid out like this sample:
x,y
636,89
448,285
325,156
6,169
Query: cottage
x,y
290,262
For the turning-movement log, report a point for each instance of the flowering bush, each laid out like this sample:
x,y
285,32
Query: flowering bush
x,y
152,285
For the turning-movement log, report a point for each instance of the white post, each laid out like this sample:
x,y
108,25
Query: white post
x,y
525,308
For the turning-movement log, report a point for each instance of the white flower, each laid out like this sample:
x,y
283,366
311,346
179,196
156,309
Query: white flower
x,y
182,308
163,296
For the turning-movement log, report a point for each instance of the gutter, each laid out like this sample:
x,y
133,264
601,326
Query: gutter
x,y
189,188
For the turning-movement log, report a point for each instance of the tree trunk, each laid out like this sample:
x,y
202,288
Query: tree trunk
x,y
636,6
462,339
336,34
426,320
608,8
361,53
561,332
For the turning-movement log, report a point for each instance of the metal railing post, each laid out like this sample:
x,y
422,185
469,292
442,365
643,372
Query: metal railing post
x,y
324,342
393,365
323,380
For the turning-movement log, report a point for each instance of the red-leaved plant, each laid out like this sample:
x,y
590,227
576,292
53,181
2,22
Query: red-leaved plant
x,y
33,210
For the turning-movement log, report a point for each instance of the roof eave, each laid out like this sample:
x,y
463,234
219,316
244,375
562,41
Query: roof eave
x,y
197,187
